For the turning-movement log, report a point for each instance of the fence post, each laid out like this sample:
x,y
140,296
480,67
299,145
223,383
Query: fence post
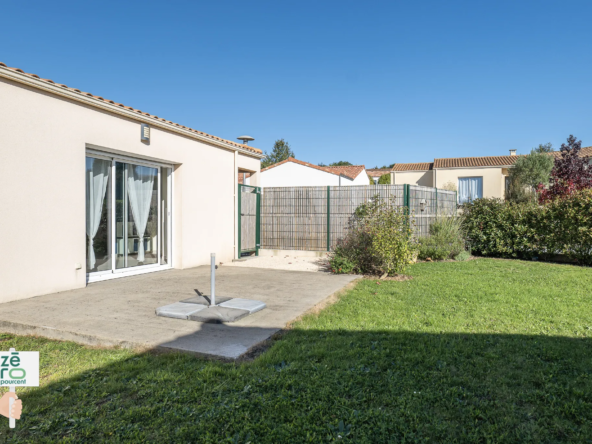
x,y
328,218
436,202
258,222
240,218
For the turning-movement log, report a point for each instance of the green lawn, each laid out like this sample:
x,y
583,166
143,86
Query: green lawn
x,y
479,351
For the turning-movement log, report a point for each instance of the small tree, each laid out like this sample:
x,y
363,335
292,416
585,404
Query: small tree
x,y
570,173
371,180
529,172
281,151
385,179
449,186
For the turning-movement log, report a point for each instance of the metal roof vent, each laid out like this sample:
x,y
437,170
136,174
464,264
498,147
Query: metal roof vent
x,y
145,134
245,139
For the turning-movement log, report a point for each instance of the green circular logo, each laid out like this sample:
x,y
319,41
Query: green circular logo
x,y
24,373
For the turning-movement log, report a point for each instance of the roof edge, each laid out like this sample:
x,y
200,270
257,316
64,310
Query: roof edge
x,y
34,81
303,163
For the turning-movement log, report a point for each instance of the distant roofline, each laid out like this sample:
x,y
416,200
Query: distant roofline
x,y
506,161
316,167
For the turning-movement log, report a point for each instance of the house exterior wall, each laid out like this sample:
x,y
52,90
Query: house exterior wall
x,y
422,178
291,174
43,142
493,178
253,165
361,179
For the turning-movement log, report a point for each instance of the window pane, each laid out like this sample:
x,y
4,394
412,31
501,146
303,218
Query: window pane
x,y
469,189
136,215
98,214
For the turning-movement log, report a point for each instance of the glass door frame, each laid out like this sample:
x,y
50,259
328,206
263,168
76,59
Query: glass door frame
x,y
129,271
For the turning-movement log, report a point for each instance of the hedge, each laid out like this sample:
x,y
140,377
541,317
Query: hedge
x,y
528,230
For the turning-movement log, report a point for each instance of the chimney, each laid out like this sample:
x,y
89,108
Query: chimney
x,y
512,152
245,139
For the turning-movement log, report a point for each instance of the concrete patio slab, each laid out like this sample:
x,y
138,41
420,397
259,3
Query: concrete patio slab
x,y
250,305
121,312
179,310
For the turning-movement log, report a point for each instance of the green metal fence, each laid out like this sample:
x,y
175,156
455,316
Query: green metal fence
x,y
249,226
314,218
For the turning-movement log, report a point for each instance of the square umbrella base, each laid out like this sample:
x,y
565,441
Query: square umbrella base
x,y
218,315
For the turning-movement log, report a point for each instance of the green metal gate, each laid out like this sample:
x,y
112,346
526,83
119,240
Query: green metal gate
x,y
249,224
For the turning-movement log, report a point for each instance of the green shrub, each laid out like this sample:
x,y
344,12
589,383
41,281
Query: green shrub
x,y
528,230
445,241
463,256
379,239
342,265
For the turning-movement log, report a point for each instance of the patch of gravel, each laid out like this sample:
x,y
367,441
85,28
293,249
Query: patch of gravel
x,y
293,263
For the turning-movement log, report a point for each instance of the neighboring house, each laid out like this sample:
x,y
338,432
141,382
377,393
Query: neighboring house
x,y
295,173
474,177
93,189
376,173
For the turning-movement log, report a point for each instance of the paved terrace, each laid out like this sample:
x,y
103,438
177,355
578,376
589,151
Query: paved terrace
x,y
121,312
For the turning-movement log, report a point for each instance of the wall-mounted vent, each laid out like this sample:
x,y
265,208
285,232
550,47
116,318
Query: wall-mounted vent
x,y
145,133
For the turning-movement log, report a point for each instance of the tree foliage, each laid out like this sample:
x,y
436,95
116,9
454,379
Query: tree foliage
x,y
385,179
571,173
529,172
281,151
449,186
340,163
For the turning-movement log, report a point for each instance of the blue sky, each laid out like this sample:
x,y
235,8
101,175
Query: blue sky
x,y
368,82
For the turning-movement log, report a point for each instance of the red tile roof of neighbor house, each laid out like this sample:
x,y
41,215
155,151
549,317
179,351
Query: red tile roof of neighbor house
x,y
350,172
160,119
486,161
422,166
474,162
377,172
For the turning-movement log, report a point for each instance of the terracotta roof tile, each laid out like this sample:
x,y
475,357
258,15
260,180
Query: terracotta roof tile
x,y
421,166
351,171
377,172
230,142
584,152
463,162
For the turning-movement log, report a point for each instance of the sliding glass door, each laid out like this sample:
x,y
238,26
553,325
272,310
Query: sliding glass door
x,y
98,215
128,215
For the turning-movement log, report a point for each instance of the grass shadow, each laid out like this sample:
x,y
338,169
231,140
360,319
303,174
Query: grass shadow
x,y
323,385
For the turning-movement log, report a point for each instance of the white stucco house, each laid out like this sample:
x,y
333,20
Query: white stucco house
x,y
93,189
296,173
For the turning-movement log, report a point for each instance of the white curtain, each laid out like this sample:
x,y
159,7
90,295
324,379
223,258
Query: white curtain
x,y
140,183
469,189
96,185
